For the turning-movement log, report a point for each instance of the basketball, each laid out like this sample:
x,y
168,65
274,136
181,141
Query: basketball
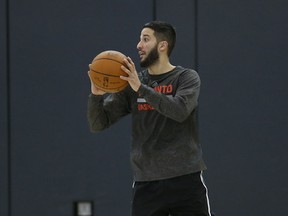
x,y
105,71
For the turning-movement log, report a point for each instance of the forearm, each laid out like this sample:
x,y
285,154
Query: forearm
x,y
176,107
96,115
102,113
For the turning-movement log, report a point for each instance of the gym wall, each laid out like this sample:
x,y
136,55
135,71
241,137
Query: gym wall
x,y
48,158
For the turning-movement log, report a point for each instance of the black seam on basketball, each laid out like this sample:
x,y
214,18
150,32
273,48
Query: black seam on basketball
x,y
103,73
108,59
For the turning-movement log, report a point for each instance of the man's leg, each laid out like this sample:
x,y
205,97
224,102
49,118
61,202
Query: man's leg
x,y
191,196
148,199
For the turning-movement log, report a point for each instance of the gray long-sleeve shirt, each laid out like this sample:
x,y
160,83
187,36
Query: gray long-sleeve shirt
x,y
164,123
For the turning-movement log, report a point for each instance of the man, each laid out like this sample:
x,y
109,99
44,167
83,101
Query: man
x,y
166,155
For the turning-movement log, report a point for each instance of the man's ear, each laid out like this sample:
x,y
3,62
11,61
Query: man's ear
x,y
163,45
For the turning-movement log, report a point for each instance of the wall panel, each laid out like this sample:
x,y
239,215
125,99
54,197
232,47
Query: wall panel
x,y
242,61
4,119
182,15
55,159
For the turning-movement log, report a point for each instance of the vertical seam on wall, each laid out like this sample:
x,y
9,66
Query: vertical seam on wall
x,y
196,35
9,157
154,10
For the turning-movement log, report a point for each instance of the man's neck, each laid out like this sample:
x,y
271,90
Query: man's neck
x,y
160,68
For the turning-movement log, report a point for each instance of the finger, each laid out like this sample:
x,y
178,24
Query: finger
x,y
130,60
89,74
126,70
124,78
130,64
127,62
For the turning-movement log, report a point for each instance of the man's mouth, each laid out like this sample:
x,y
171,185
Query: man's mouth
x,y
141,54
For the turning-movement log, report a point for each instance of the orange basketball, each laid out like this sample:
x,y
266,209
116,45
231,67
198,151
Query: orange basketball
x,y
105,71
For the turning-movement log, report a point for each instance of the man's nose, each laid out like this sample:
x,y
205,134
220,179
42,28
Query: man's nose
x,y
139,45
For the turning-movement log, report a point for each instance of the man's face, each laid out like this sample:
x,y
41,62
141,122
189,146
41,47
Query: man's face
x,y
148,48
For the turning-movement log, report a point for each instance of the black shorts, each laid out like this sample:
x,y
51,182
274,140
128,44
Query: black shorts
x,y
180,196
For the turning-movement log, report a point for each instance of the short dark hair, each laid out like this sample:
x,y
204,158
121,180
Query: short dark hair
x,y
163,31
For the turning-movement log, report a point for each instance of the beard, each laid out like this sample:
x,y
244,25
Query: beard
x,y
152,57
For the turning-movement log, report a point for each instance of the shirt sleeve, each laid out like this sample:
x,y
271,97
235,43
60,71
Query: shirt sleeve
x,y
104,111
179,106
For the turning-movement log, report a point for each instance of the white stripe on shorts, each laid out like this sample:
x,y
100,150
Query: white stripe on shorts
x,y
208,204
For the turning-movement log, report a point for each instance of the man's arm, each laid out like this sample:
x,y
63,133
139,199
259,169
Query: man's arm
x,y
104,111
176,107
